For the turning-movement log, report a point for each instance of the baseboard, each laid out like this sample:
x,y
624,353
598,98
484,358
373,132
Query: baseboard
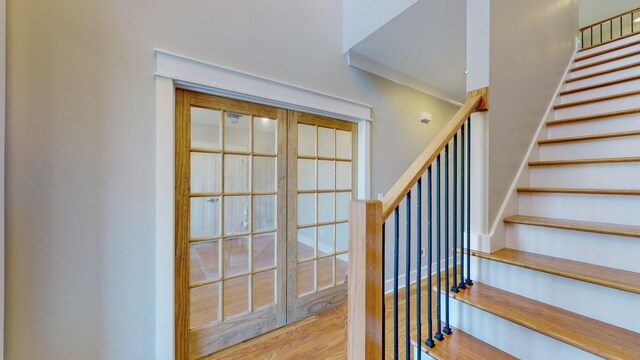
x,y
388,284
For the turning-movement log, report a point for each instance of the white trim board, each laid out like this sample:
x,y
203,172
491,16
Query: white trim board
x,y
220,80
512,193
388,284
177,71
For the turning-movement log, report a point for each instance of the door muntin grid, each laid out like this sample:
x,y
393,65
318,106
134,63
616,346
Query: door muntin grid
x,y
233,225
325,187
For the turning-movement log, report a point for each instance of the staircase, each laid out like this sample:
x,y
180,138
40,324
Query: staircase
x,y
567,286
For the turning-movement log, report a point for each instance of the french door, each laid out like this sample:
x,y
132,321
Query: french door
x,y
261,200
321,159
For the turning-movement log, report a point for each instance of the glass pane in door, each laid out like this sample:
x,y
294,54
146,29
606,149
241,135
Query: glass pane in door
x,y
237,228
324,161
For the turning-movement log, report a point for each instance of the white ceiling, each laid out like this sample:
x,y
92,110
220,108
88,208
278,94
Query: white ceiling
x,y
592,11
427,42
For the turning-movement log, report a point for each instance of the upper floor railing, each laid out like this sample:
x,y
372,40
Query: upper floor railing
x,y
615,27
381,323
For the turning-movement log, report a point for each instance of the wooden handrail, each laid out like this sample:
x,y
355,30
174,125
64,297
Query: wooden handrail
x,y
366,247
477,100
611,18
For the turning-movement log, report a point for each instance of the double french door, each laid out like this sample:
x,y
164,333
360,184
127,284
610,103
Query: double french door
x,y
261,225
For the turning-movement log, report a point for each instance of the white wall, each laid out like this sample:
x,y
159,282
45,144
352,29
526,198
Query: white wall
x,y
81,149
592,11
528,56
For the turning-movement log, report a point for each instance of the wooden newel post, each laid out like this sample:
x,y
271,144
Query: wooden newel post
x,y
365,280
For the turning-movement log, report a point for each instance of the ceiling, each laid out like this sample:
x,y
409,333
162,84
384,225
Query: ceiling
x,y
423,47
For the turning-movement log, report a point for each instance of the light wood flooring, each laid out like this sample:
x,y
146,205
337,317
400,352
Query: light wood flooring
x,y
324,336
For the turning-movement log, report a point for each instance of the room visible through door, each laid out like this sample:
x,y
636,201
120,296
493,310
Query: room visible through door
x,y
261,218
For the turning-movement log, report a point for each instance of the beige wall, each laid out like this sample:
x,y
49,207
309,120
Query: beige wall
x,y
592,11
81,148
531,44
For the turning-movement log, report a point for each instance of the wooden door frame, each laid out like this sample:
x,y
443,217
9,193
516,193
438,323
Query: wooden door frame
x,y
3,56
177,71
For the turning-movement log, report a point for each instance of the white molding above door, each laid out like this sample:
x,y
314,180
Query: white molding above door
x,y
178,71
222,81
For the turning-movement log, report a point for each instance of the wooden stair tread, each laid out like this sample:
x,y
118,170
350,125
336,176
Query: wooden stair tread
x,y
602,84
589,137
460,345
590,335
598,99
594,117
579,191
600,275
584,161
599,85
603,72
588,226
604,61
601,52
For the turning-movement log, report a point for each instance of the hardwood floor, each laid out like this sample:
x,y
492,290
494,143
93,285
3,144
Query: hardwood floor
x,y
324,336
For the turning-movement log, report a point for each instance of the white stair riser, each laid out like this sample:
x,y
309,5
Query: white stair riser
x,y
616,75
602,148
510,337
608,55
594,301
623,103
605,66
602,91
587,176
594,127
613,251
610,45
616,209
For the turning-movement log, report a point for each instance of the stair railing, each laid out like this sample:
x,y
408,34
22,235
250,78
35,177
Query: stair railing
x,y
369,306
612,28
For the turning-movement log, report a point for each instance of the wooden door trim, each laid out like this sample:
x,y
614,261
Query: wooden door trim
x,y
182,206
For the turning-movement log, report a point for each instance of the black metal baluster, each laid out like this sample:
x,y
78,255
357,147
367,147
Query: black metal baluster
x,y
438,334
611,30
454,250
396,244
447,329
407,277
468,281
591,32
582,38
621,26
463,141
384,305
632,22
600,32
429,342
419,264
